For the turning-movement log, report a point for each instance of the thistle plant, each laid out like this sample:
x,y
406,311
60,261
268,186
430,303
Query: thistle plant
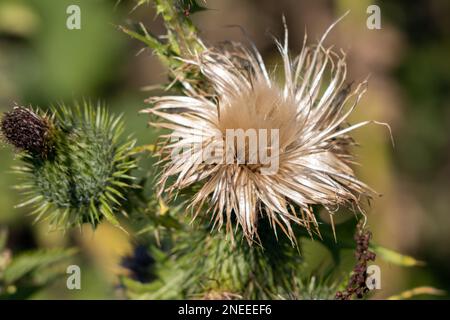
x,y
75,166
208,228
216,88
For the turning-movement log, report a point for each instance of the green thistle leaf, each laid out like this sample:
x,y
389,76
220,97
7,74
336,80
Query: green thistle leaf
x,y
27,262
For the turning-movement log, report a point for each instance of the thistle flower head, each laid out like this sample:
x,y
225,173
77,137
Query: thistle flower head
x,y
88,174
310,147
27,131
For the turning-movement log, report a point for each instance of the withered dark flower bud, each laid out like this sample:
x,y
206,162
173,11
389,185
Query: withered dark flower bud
x,y
27,131
357,283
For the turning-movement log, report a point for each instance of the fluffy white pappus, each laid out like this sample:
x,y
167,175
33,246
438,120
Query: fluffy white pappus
x,y
309,109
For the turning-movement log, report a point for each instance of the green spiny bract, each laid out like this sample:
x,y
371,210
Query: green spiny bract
x,y
198,264
86,176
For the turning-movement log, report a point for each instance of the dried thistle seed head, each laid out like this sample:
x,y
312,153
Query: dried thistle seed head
x,y
89,174
28,131
309,110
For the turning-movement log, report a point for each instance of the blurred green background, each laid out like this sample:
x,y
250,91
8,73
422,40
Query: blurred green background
x,y
408,59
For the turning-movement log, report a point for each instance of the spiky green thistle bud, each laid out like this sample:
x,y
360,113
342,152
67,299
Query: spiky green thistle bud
x,y
84,176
